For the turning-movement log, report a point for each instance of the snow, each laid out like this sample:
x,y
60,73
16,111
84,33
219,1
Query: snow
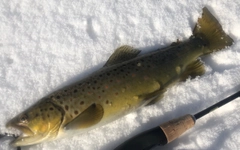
x,y
45,45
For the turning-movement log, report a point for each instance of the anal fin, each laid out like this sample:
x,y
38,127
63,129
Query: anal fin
x,y
89,117
193,70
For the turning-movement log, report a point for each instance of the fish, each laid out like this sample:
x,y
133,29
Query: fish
x,y
127,82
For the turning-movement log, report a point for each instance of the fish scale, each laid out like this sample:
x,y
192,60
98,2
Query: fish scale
x,y
126,82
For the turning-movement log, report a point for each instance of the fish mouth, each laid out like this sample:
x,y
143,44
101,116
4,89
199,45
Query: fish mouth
x,y
25,132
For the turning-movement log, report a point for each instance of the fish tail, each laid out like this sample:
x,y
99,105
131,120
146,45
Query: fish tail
x,y
209,29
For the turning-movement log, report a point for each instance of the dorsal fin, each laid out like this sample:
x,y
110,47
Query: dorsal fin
x,y
89,117
122,54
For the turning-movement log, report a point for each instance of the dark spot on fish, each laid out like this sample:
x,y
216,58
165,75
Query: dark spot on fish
x,y
65,90
107,102
111,80
103,91
75,91
98,87
58,97
88,87
116,93
50,108
100,75
61,102
99,97
37,115
41,110
71,116
66,107
93,88
82,102
75,112
80,84
95,81
48,115
82,90
145,77
122,70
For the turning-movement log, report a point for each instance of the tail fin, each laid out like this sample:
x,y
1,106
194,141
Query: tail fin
x,y
209,29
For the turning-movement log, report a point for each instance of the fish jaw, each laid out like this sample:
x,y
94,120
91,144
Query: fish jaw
x,y
39,123
27,136
24,140
26,133
21,127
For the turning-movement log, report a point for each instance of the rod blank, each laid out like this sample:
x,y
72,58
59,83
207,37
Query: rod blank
x,y
169,131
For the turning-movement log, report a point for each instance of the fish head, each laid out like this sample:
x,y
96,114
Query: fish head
x,y
39,123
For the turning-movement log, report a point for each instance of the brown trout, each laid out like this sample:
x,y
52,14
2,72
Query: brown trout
x,y
126,82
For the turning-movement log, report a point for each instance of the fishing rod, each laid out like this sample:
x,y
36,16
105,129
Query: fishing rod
x,y
169,131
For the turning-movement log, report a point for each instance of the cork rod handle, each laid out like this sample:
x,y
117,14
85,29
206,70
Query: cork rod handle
x,y
176,127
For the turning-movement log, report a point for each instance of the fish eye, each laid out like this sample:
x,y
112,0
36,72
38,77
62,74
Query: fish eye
x,y
23,118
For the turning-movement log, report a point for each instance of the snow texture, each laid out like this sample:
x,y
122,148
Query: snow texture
x,y
48,44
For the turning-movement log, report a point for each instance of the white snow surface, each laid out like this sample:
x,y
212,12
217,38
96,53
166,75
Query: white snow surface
x,y
48,44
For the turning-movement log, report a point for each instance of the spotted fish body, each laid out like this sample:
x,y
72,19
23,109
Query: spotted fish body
x,y
126,82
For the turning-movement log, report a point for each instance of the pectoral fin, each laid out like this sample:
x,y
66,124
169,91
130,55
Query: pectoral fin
x,y
122,54
89,117
153,97
157,98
